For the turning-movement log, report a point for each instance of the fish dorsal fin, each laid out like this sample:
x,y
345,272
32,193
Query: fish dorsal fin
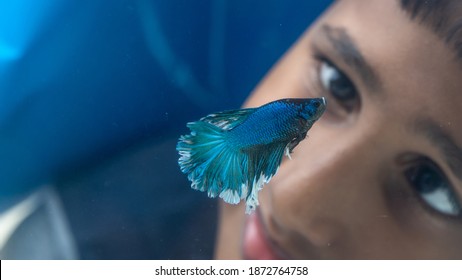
x,y
229,119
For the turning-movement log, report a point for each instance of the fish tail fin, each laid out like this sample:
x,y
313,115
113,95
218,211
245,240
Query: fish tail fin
x,y
212,165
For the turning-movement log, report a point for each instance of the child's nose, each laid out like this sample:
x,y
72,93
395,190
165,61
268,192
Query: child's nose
x,y
325,191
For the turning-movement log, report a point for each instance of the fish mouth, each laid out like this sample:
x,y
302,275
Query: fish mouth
x,y
321,107
257,244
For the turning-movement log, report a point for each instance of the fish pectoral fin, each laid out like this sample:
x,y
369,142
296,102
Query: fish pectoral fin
x,y
228,119
287,152
292,144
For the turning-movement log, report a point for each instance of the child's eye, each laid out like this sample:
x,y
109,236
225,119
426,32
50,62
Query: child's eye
x,y
336,82
433,188
338,85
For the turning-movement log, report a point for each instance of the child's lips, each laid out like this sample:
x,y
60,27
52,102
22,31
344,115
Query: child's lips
x,y
257,245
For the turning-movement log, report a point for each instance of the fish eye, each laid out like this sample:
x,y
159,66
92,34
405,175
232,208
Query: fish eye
x,y
316,103
433,188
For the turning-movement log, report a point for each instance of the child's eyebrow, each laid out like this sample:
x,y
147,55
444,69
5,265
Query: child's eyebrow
x,y
345,46
443,141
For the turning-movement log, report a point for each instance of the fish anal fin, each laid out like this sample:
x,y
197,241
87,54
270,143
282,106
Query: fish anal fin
x,y
263,163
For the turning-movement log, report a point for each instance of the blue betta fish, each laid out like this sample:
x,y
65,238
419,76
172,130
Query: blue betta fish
x,y
232,154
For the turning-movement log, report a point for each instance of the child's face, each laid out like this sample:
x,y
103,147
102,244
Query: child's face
x,y
380,174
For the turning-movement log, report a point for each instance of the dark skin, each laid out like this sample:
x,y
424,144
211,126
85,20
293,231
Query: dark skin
x,y
380,176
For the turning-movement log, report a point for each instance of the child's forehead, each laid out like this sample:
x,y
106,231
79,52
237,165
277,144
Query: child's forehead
x,y
415,67
443,17
388,38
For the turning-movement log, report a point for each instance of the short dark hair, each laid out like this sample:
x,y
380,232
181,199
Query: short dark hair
x,y
444,17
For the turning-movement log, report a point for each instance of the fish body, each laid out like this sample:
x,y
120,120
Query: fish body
x,y
232,154
274,122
